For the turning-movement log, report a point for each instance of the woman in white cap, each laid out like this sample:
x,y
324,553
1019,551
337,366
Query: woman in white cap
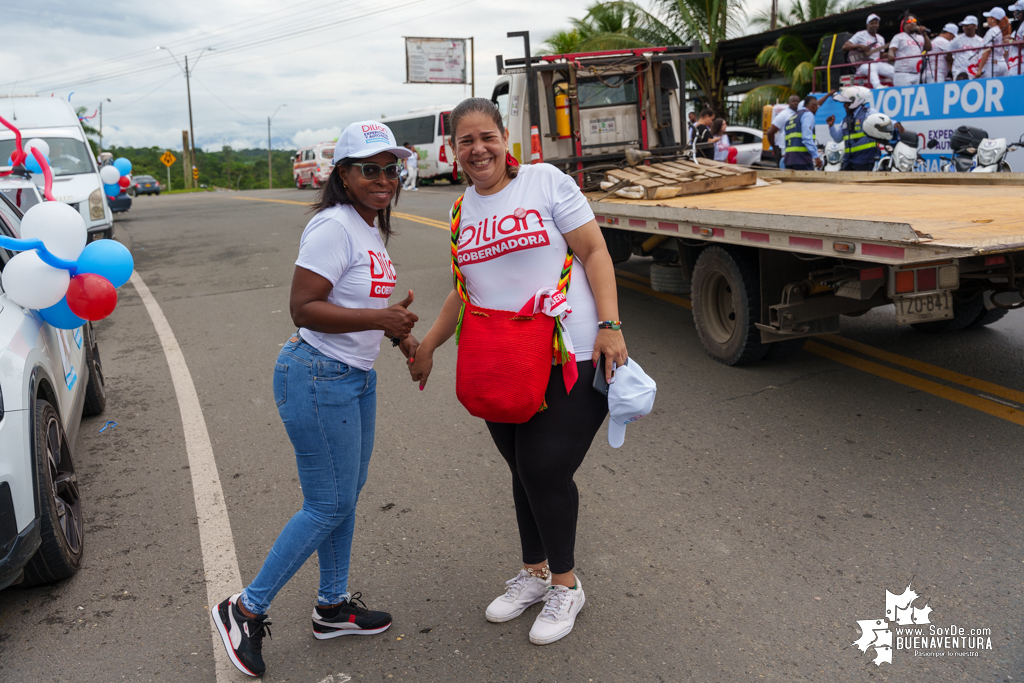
x,y
936,66
518,232
325,388
963,50
992,62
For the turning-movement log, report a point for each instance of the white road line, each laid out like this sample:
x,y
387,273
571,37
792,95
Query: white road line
x,y
219,560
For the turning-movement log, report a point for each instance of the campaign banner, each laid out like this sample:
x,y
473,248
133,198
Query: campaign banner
x,y
435,60
935,110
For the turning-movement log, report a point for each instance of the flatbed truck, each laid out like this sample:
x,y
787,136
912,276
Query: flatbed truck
x,y
769,266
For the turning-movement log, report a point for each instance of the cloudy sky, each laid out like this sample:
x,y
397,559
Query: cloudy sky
x,y
330,61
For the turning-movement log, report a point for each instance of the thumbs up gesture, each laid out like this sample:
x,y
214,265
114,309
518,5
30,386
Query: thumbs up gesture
x,y
397,320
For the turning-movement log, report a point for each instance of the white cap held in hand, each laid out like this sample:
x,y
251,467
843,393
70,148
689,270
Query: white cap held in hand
x,y
630,397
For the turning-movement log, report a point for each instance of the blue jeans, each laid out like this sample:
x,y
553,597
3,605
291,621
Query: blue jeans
x,y
329,410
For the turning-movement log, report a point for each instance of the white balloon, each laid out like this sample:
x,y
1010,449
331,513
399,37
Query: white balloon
x,y
31,283
42,145
60,227
109,175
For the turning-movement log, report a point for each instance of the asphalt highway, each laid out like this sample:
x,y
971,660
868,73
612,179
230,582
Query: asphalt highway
x,y
740,534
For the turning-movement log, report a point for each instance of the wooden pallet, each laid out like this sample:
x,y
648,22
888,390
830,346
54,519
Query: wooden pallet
x,y
678,178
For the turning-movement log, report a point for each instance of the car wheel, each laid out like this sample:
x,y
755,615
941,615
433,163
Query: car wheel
x,y
316,184
298,183
60,507
157,194
95,390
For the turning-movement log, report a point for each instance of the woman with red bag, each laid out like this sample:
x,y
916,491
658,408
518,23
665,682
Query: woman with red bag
x,y
534,307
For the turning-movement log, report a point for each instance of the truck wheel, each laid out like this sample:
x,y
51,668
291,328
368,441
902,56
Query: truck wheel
x,y
726,304
668,279
60,508
989,316
95,390
965,312
298,183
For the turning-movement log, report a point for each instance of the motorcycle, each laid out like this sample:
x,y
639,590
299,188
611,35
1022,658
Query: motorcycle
x,y
832,154
991,155
964,146
899,154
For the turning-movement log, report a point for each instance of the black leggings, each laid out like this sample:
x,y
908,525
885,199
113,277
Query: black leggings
x,y
543,455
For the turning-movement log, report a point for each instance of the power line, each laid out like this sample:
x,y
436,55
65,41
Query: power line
x,y
222,101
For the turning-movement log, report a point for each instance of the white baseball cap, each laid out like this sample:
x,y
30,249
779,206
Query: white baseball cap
x,y
630,397
871,17
997,13
364,139
1016,7
951,28
969,19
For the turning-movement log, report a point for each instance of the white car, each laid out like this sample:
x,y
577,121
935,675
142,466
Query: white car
x,y
49,378
747,142
21,192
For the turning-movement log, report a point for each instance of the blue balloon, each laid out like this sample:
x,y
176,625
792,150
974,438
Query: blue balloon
x,y
30,163
112,190
123,165
107,258
61,317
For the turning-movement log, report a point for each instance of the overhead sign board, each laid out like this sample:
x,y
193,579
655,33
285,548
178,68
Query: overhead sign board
x,y
167,158
435,60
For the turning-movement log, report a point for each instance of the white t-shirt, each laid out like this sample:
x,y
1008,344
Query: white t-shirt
x,y
722,148
993,38
511,246
339,246
936,66
963,60
866,39
780,122
907,46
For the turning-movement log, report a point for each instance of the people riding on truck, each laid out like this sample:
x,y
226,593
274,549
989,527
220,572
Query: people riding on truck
x,y
992,61
861,151
963,58
936,67
801,147
867,45
912,41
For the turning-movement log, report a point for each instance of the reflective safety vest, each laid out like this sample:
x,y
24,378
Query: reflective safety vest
x,y
860,149
796,153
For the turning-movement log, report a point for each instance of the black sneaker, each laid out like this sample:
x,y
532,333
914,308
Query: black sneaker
x,y
348,619
242,636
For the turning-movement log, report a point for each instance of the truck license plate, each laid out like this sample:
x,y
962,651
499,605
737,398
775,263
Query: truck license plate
x,y
923,308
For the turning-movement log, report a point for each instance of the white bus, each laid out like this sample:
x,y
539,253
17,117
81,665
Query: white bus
x,y
425,129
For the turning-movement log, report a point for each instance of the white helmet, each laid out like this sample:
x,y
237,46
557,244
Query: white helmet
x,y
878,126
853,96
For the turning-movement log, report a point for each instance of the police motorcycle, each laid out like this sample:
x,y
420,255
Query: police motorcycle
x,y
991,155
963,145
832,154
899,147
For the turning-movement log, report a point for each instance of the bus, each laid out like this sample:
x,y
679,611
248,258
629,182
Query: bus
x,y
425,130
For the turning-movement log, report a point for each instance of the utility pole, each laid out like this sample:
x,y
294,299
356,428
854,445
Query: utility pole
x,y
191,130
101,124
270,171
775,14
472,68
185,165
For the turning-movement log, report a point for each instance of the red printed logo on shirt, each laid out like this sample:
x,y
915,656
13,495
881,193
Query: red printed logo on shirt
x,y
382,275
494,237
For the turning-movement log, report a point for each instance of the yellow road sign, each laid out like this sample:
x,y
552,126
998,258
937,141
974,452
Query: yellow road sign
x,y
167,158
195,173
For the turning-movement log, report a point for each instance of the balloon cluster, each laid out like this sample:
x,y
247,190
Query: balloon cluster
x,y
116,177
56,273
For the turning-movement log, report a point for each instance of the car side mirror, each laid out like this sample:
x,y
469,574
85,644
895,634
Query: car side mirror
x,y
933,143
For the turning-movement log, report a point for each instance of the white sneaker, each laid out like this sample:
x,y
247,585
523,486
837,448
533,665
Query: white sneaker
x,y
523,590
556,620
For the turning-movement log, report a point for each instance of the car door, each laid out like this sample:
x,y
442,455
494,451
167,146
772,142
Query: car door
x,y
748,147
64,349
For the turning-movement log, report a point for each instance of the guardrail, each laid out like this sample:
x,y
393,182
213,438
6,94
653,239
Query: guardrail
x,y
1016,68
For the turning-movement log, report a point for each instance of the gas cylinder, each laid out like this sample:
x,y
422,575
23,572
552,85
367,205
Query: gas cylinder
x,y
562,115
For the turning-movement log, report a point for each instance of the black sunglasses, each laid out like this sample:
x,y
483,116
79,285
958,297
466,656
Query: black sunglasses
x,y
372,171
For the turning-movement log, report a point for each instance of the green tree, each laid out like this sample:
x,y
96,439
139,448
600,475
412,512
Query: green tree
x,y
804,10
606,26
791,57
239,169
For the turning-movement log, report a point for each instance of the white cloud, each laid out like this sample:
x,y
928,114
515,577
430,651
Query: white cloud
x,y
329,77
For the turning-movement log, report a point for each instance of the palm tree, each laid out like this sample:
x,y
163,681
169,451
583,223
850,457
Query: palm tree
x,y
791,57
562,42
805,10
606,26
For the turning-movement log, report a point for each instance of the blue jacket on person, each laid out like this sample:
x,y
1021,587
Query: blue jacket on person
x,y
801,147
860,149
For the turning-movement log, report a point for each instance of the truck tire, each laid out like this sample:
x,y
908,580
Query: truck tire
x,y
965,312
668,279
726,303
989,316
60,507
95,390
